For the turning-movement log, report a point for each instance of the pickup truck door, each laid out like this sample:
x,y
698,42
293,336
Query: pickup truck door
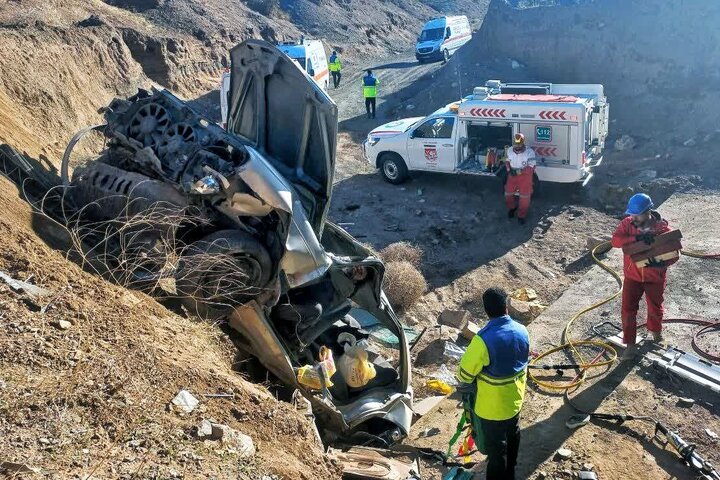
x,y
431,145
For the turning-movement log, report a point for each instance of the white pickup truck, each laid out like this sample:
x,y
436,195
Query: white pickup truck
x,y
565,124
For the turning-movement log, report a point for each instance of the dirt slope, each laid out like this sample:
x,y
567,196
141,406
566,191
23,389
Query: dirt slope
x,y
93,399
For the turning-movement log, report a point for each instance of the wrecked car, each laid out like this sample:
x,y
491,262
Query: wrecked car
x,y
236,220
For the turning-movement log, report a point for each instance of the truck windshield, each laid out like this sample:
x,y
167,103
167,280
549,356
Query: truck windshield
x,y
431,34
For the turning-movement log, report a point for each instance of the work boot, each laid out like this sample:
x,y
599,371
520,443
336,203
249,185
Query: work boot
x,y
657,336
631,353
511,213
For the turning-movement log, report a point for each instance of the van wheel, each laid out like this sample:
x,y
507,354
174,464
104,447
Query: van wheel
x,y
393,168
446,56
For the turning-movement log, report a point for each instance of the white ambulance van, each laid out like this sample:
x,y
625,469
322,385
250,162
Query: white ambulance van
x,y
441,37
565,124
309,55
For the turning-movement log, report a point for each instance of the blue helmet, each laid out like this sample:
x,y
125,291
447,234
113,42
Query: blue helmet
x,y
638,204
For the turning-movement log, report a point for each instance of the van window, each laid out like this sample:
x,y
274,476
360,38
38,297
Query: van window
x,y
431,34
300,60
435,128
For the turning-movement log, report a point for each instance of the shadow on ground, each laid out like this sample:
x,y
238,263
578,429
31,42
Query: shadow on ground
x,y
441,212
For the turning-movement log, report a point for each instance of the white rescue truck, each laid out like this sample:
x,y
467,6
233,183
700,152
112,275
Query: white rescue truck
x,y
565,124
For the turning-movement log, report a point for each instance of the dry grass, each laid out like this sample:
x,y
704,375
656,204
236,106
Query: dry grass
x,y
402,252
403,284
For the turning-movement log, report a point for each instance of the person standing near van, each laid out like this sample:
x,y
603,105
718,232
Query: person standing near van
x,y
335,66
520,166
370,84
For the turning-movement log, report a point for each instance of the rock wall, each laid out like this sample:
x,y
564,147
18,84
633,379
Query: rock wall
x,y
659,60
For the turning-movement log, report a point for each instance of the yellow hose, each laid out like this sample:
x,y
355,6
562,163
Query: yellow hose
x,y
571,344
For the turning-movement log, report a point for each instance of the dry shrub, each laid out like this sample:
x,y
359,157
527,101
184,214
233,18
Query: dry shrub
x,y
402,252
403,284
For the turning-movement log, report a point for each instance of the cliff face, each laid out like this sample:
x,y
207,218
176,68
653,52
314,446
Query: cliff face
x,y
659,60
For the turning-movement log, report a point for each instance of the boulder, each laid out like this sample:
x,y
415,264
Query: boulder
x,y
524,312
234,439
454,318
625,142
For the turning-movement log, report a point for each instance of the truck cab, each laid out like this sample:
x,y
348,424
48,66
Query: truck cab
x,y
565,125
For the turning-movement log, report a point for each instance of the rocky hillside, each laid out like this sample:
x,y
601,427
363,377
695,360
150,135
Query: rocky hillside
x,y
62,60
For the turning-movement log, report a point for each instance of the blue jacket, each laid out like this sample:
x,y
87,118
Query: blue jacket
x,y
496,360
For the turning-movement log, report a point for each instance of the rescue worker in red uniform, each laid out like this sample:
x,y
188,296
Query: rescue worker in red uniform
x,y
641,224
520,167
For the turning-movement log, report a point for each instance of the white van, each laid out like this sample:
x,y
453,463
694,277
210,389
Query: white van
x,y
309,55
441,37
565,124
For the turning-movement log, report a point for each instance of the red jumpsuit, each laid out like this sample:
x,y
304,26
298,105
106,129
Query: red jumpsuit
x,y
648,280
524,164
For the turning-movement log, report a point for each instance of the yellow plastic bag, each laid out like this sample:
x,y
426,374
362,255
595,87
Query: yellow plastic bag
x,y
439,386
355,367
312,375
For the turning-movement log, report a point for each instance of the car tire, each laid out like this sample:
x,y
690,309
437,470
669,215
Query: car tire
x,y
393,168
446,55
222,271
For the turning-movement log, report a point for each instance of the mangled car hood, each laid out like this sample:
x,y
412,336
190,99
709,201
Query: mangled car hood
x,y
288,119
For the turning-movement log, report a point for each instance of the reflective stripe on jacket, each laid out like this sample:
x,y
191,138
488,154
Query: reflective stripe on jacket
x,y
625,234
496,360
370,84
335,65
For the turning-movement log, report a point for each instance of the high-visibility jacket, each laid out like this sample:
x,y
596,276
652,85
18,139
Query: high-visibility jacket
x,y
334,65
625,233
497,360
370,84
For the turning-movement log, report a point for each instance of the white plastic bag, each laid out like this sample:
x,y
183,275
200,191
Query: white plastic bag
x,y
354,366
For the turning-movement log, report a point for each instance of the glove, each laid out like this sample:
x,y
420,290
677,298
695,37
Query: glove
x,y
653,263
648,238
465,388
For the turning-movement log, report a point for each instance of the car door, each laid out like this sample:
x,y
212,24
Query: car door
x,y
288,118
431,145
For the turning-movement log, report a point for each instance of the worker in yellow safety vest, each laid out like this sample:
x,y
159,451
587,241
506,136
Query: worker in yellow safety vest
x,y
335,66
495,363
370,84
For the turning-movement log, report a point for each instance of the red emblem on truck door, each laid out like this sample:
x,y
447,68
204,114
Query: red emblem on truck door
x,y
431,155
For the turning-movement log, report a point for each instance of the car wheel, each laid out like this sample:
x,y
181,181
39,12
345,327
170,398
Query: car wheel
x,y
393,168
446,55
222,271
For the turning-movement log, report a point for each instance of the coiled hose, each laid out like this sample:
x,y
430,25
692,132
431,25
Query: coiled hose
x,y
607,350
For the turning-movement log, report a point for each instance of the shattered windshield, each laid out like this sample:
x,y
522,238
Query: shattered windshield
x,y
431,34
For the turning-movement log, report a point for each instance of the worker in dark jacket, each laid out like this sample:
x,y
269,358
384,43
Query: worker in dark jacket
x,y
641,224
370,84
496,363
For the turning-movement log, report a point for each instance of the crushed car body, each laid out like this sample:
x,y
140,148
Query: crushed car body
x,y
236,220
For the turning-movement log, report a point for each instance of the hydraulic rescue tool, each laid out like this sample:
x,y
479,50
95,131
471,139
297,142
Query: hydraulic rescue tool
x,y
703,468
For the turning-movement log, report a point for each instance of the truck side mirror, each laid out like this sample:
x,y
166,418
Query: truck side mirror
x,y
311,72
596,109
412,134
